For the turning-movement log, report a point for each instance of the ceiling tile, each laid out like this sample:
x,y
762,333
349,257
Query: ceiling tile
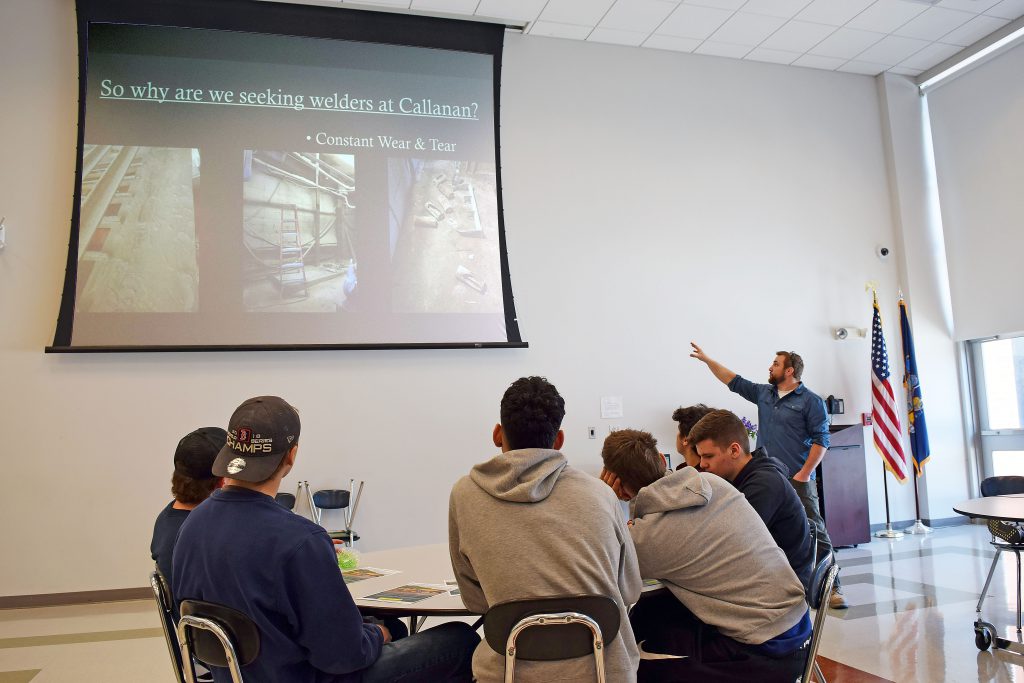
x,y
690,21
637,15
672,43
866,68
892,50
816,62
930,56
709,47
616,36
580,12
833,12
456,6
846,43
1007,9
974,30
933,23
747,29
974,6
555,30
904,71
514,10
720,4
775,8
798,36
761,54
886,15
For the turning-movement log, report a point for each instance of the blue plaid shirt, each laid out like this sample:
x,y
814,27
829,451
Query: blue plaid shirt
x,y
786,426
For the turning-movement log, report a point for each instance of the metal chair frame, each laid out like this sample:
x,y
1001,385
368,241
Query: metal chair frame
x,y
554,619
505,623
163,600
994,486
349,509
231,641
186,622
817,599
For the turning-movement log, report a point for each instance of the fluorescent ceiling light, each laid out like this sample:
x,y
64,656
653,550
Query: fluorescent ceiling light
x,y
968,60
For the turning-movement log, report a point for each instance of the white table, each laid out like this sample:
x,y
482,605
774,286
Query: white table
x,y
430,564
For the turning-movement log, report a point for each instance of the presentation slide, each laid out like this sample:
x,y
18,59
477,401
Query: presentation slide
x,y
243,189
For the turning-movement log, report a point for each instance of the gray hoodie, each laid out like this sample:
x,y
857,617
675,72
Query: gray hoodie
x,y
701,537
525,524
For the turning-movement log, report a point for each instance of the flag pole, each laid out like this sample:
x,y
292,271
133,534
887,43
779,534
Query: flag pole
x,y
888,532
915,415
919,527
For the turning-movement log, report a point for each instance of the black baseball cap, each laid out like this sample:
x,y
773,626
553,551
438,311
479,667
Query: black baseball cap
x,y
261,431
197,451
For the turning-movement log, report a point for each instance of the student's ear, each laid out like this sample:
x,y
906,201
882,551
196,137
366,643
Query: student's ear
x,y
559,440
498,436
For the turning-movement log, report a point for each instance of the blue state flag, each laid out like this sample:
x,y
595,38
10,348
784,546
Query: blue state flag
x,y
917,426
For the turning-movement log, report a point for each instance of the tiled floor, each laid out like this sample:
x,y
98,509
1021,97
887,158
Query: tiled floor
x,y
911,619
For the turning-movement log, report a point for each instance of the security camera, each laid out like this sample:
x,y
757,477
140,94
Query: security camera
x,y
882,252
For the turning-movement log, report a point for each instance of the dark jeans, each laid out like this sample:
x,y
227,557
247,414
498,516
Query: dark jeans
x,y
808,493
663,625
438,654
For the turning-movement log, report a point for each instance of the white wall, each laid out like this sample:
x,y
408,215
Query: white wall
x,y
921,254
651,198
977,123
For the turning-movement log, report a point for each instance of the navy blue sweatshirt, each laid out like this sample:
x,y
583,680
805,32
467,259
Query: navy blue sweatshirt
x,y
241,549
764,484
165,531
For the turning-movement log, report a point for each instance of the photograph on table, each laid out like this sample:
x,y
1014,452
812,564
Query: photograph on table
x,y
298,223
137,238
443,236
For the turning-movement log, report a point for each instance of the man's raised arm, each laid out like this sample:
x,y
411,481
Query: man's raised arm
x,y
724,374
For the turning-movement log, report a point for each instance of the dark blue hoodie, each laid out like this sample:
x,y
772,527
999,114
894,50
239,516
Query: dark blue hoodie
x,y
241,549
766,487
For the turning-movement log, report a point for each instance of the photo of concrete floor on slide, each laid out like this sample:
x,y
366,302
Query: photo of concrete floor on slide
x,y
298,218
444,237
137,241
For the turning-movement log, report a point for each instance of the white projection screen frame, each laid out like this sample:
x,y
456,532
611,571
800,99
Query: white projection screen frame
x,y
267,176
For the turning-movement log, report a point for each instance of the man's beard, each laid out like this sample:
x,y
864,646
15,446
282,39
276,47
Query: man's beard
x,y
772,380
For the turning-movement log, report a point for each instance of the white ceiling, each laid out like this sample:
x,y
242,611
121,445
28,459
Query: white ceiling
x,y
859,36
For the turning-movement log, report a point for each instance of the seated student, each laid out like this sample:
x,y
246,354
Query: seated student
x,y
191,484
525,524
734,610
687,417
723,444
241,549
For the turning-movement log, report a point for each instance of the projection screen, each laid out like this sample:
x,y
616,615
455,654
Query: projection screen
x,y
256,175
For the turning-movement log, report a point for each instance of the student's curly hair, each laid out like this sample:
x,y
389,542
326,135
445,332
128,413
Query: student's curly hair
x,y
192,491
531,413
689,416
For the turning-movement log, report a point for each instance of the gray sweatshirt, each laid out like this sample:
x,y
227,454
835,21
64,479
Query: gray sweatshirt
x,y
700,537
526,525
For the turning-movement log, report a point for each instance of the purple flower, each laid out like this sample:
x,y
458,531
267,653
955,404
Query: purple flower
x,y
751,427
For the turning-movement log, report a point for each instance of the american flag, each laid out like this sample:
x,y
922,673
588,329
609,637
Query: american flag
x,y
885,421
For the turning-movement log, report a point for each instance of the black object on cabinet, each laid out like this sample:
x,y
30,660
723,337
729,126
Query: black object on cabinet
x,y
843,487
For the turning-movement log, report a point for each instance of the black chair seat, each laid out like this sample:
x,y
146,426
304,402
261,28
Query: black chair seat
x,y
285,500
331,499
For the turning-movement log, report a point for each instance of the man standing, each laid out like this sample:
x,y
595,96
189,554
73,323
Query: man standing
x,y
734,609
525,524
241,549
793,429
722,443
